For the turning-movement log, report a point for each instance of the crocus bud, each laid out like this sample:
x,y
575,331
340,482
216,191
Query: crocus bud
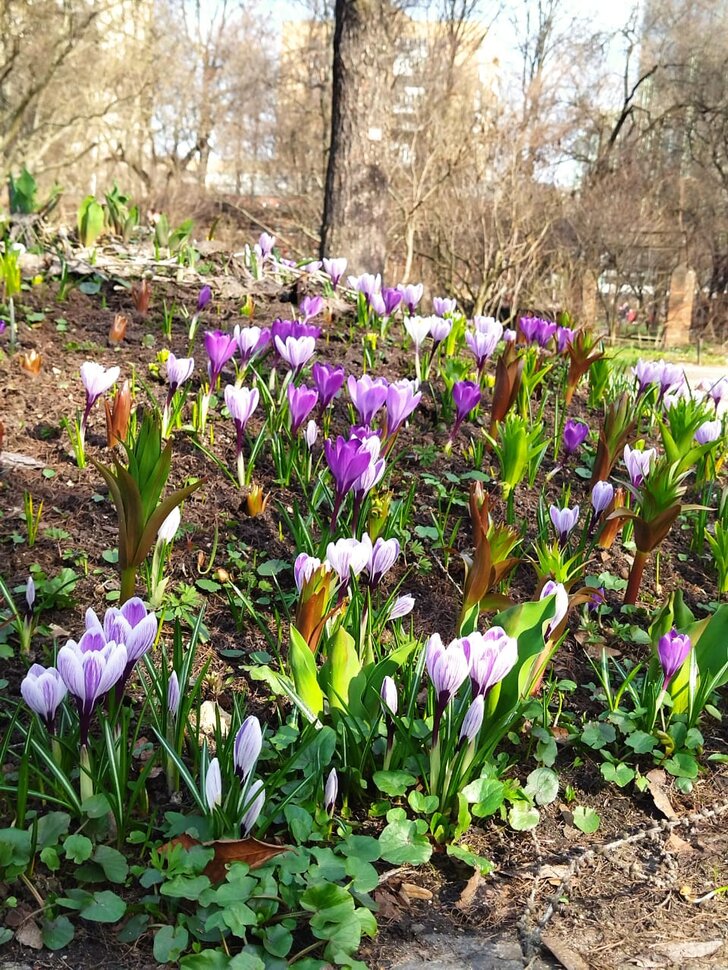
x,y
473,720
203,298
575,434
248,744
561,605
43,690
256,501
611,526
168,529
30,593
402,606
117,330
564,521
117,416
672,649
311,433
601,496
331,791
708,432
389,695
173,694
213,785
256,801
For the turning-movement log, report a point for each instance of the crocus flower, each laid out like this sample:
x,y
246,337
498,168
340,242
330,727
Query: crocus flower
x,y
487,325
439,330
402,606
466,398
561,604
168,529
213,785
646,373
295,351
638,463
411,295
248,340
509,336
179,370
311,306
709,431
672,649
546,330
90,674
347,461
368,395
293,328
383,556
96,381
301,401
442,305
220,348
473,720
311,433
173,694
418,328
575,434
132,624
448,667
43,690
482,343
670,376
391,299
491,656
601,497
564,521
372,474
247,747
313,267
303,568
366,283
376,304
335,269
718,392
256,801
529,327
388,694
241,402
564,338
331,791
402,399
30,593
329,381
266,242
203,298
347,556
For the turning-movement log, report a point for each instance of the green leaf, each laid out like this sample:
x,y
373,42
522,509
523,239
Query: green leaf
x,y
341,670
523,816
6,935
586,819
487,794
238,917
105,907
365,876
463,854
300,822
278,941
57,933
597,734
78,848
182,887
393,783
402,843
49,857
170,942
542,785
112,862
96,806
133,928
641,742
682,765
421,803
51,827
363,847
305,674
621,774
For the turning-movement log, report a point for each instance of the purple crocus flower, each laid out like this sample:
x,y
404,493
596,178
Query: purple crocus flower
x,y
448,668
646,373
255,800
402,399
564,338
220,348
529,327
346,460
301,401
303,569
392,299
179,370
347,556
466,398
561,605
296,351
329,381
672,650
708,431
411,295
331,791
241,402
335,268
638,463
384,555
294,328
43,690
402,606
601,497
3,326
545,332
388,693
173,694
669,376
266,242
509,336
311,306
575,434
473,720
96,381
204,297
132,624
482,344
89,669
442,305
376,304
564,521
439,330
718,392
368,395
247,748
213,785
366,284
371,476
491,656
248,341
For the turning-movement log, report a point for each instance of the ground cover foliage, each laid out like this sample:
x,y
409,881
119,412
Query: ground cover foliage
x,y
345,584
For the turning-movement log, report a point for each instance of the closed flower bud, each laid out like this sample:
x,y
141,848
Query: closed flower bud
x,y
331,791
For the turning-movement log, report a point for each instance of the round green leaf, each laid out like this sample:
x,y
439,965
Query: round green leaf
x,y
542,785
393,783
104,907
57,933
523,817
586,819
401,842
112,862
170,942
78,848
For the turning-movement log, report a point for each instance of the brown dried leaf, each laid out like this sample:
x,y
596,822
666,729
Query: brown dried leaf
x,y
470,891
655,783
678,846
29,934
389,907
252,852
686,950
554,874
564,953
414,891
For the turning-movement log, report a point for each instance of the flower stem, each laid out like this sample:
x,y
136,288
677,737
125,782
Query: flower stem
x,y
635,578
128,584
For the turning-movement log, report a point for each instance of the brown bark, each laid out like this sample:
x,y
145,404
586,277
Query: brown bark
x,y
356,194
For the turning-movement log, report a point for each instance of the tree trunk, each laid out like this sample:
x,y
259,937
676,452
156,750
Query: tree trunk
x,y
356,196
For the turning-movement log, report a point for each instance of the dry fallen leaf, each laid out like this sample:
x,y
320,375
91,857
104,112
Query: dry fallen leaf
x,y
554,874
415,892
655,783
678,846
564,953
252,852
681,952
388,906
470,891
29,934
208,718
